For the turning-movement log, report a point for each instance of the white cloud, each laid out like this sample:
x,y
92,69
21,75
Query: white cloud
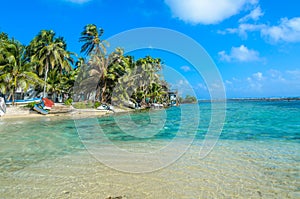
x,y
185,68
288,30
254,85
202,86
240,54
183,87
254,15
258,76
207,11
228,82
276,75
269,83
243,29
78,1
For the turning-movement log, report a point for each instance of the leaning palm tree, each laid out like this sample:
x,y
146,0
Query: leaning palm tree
x,y
17,71
49,52
92,42
95,48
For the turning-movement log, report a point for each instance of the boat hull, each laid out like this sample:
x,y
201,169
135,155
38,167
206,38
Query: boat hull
x,y
27,101
39,108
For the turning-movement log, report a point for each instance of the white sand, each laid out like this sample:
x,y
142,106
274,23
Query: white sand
x,y
58,110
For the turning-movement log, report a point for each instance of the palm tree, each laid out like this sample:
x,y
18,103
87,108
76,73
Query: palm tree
x,y
140,81
147,70
95,48
17,71
92,42
49,52
3,36
98,72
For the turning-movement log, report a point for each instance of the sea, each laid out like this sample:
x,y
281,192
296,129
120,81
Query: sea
x,y
233,149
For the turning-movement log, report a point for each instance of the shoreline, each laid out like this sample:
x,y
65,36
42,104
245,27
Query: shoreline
x,y
19,112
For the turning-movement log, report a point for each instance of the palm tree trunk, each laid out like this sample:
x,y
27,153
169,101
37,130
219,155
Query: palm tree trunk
x,y
103,97
45,83
13,97
9,96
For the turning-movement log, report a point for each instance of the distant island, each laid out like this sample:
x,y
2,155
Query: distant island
x,y
188,100
255,99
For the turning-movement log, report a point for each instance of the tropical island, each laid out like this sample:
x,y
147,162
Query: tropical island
x,y
45,68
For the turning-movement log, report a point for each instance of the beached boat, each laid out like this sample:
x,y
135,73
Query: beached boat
x,y
157,106
43,107
129,104
25,101
40,108
47,103
105,107
2,106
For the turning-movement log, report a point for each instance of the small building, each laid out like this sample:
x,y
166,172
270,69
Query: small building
x,y
173,98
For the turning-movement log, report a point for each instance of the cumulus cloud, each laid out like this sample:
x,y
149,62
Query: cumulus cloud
x,y
276,75
185,68
202,86
243,29
207,12
183,86
288,30
240,54
258,76
254,15
272,82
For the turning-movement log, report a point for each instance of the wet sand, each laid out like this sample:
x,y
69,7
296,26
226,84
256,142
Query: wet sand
x,y
231,171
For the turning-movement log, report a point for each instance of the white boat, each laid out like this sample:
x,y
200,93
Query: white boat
x,y
2,106
25,101
105,107
157,106
102,107
129,104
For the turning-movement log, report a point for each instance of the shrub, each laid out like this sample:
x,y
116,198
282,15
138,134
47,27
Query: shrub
x,y
90,104
79,105
69,102
97,104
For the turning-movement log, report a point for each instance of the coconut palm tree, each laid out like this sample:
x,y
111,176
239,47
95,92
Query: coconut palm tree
x,y
3,36
17,71
92,42
49,52
147,70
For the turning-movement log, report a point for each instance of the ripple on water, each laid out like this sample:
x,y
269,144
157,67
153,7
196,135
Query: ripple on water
x,y
256,157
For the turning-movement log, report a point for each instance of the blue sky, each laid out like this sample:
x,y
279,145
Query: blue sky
x,y
254,43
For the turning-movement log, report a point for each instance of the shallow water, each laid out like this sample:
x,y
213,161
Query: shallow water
x,y
257,155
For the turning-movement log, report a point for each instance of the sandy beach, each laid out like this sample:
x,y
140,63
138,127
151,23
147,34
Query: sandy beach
x,y
58,110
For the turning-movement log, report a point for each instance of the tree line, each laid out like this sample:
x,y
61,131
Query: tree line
x,y
48,66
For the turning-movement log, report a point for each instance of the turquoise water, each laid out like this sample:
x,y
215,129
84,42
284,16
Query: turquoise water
x,y
246,120
260,142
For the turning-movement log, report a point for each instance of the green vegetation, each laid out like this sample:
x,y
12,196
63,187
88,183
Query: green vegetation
x,y
97,104
30,105
84,105
69,102
16,71
118,78
49,67
188,100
